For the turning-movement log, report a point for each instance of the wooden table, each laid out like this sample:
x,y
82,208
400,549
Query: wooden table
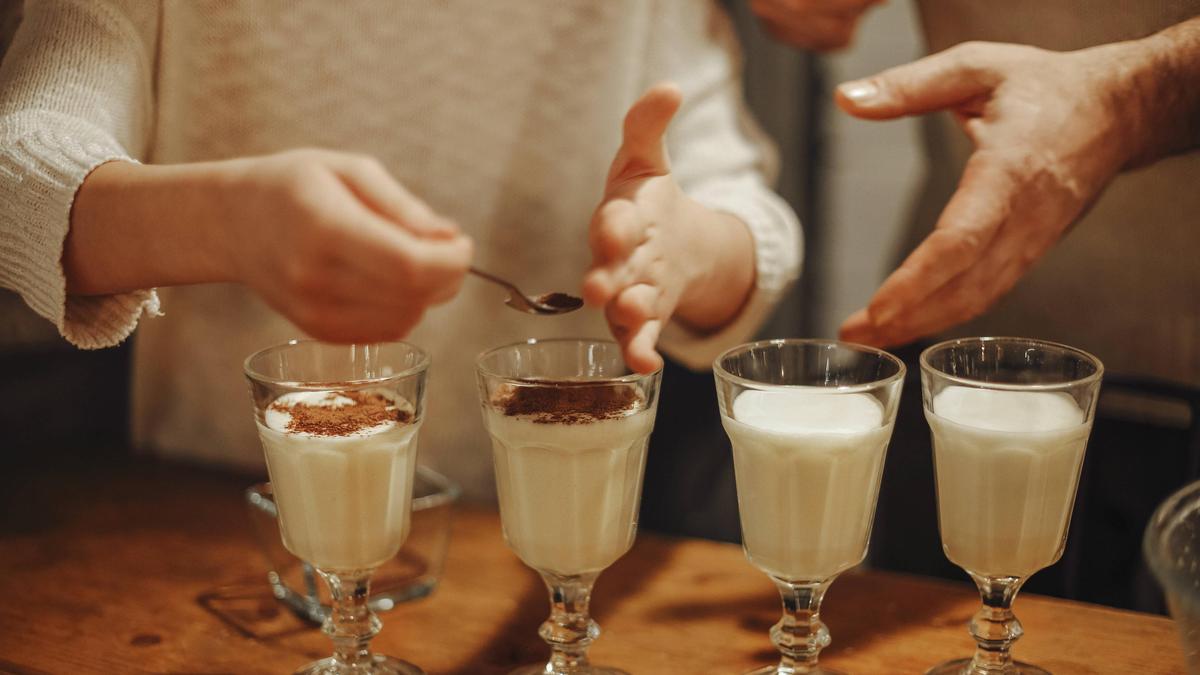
x,y
151,568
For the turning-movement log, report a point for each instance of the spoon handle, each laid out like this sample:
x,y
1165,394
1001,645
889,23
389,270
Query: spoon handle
x,y
494,279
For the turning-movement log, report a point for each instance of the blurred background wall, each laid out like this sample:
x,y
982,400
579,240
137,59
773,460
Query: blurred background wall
x,y
869,173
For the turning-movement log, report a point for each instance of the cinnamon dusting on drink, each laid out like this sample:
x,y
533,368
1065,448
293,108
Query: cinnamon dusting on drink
x,y
559,300
568,402
342,419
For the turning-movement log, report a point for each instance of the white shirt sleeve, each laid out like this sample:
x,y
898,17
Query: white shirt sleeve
x,y
723,160
75,92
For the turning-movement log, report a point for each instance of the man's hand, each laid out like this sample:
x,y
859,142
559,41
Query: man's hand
x,y
329,239
1050,130
816,25
656,252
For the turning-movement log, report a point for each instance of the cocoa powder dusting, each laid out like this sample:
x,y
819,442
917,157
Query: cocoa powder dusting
x,y
568,403
366,411
560,300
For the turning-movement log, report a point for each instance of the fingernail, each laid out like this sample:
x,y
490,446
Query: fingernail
x,y
859,91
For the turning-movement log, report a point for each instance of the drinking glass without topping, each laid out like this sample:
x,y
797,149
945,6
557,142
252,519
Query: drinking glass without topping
x,y
1172,548
809,421
344,503
1010,419
569,481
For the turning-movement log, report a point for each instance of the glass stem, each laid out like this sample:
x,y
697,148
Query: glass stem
x,y
995,627
351,624
570,630
800,635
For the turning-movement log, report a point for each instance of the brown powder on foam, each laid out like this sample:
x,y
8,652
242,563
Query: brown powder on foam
x,y
567,402
366,411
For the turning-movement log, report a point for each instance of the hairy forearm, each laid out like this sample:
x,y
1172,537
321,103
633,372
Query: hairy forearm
x,y
1164,79
137,226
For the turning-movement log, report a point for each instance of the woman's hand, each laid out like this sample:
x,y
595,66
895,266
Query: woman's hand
x,y
328,239
656,252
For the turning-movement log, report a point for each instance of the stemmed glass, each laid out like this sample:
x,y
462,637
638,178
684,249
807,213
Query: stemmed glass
x,y
810,422
1010,419
342,480
569,424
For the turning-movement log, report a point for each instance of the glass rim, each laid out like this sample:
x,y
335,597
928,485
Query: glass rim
x,y
423,361
1164,517
535,381
724,374
1006,386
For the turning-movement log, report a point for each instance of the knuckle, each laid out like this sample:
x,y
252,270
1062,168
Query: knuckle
x,y
615,210
609,241
971,49
1027,256
367,164
958,242
303,154
303,176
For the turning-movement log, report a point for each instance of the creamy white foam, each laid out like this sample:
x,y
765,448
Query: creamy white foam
x,y
1007,467
808,462
569,493
344,501
278,417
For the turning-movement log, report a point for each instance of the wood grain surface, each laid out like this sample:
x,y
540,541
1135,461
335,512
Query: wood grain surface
x,y
151,568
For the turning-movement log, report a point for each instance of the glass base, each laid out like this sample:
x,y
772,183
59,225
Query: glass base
x,y
380,665
776,670
963,667
541,669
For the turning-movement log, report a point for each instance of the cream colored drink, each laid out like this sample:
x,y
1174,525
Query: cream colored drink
x,y
1007,467
807,462
341,467
569,484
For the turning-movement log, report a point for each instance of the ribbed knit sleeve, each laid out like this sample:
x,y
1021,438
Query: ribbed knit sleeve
x,y
723,160
75,92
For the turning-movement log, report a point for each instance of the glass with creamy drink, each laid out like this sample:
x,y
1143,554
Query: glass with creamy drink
x,y
338,424
809,421
569,425
1010,419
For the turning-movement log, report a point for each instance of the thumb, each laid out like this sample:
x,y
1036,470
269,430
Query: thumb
x,y
933,83
642,152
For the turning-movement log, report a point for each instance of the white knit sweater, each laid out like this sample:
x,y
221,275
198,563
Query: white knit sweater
x,y
502,115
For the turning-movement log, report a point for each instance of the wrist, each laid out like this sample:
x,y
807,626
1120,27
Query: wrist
x,y
137,226
721,262
1154,95
218,193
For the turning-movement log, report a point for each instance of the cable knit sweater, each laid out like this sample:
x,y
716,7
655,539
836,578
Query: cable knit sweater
x,y
502,115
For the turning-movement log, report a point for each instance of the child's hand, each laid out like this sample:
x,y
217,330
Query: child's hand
x,y
341,248
656,252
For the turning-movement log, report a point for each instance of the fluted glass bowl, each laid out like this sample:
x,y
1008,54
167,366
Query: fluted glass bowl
x,y
412,574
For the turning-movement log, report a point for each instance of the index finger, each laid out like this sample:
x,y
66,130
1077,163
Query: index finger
x,y
375,187
963,232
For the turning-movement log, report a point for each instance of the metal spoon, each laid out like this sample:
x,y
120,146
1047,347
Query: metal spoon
x,y
546,303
